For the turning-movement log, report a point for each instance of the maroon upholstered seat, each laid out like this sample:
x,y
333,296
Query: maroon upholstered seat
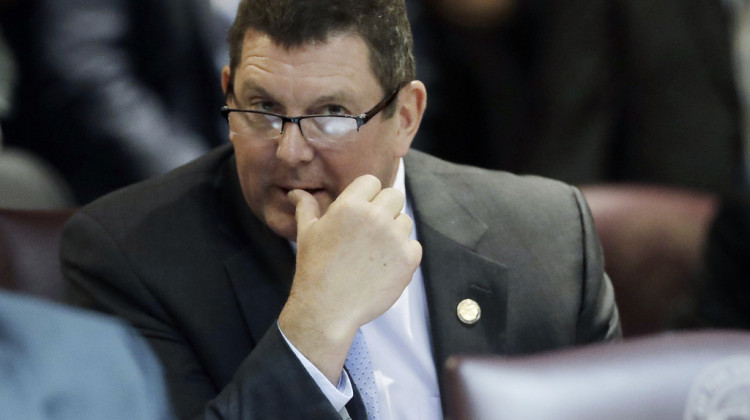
x,y
675,376
29,251
653,238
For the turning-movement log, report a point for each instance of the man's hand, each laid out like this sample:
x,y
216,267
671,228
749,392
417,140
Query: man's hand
x,y
352,265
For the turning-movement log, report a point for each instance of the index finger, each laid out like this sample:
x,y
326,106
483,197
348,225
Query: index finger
x,y
364,187
307,209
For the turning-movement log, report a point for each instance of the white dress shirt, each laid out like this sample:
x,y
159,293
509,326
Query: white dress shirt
x,y
399,345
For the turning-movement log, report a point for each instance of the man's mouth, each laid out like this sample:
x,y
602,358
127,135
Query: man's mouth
x,y
311,191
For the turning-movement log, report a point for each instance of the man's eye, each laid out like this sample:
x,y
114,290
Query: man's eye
x,y
265,106
334,110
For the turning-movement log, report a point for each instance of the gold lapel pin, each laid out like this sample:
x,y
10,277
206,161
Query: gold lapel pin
x,y
468,311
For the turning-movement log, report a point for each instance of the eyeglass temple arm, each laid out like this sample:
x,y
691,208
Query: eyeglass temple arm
x,y
367,116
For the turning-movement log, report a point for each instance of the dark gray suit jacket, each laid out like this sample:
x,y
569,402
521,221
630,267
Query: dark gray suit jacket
x,y
183,259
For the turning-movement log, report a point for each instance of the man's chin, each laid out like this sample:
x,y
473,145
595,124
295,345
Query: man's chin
x,y
283,225
282,219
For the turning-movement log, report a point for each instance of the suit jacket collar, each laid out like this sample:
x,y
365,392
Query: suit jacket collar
x,y
435,205
450,234
262,269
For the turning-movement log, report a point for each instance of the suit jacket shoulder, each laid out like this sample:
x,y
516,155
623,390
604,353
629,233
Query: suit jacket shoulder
x,y
523,247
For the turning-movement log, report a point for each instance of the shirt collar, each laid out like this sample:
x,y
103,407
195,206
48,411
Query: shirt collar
x,y
400,184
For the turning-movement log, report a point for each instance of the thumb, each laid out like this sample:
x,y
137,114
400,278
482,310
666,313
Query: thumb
x,y
308,210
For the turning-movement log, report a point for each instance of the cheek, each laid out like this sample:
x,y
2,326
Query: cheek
x,y
375,154
253,158
254,167
344,167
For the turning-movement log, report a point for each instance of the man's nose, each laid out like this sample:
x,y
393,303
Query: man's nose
x,y
293,148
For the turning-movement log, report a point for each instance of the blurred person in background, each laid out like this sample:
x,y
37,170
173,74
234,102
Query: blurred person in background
x,y
113,91
26,181
584,90
58,362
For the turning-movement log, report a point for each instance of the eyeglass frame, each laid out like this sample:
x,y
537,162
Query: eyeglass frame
x,y
361,119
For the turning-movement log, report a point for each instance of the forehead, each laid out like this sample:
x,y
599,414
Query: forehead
x,y
341,63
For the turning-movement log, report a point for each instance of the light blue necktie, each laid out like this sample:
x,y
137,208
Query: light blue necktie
x,y
360,370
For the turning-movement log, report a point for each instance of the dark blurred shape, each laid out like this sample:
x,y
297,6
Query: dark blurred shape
x,y
723,292
477,14
687,375
26,181
584,90
112,91
479,69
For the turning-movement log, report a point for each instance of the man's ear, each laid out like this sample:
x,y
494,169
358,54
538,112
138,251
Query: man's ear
x,y
412,101
225,75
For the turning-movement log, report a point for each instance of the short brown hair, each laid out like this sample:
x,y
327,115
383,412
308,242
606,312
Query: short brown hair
x,y
382,24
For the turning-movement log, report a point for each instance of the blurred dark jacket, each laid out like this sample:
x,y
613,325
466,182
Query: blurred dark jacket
x,y
723,292
113,91
585,91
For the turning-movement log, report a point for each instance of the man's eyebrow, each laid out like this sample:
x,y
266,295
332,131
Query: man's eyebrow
x,y
339,97
250,87
328,99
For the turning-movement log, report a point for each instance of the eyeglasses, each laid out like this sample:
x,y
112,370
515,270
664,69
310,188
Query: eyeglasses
x,y
315,128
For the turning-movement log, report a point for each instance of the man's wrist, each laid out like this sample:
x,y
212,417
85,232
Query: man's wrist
x,y
325,343
338,395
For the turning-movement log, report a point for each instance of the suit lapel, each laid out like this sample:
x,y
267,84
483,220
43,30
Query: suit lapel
x,y
453,273
356,407
262,270
452,269
257,291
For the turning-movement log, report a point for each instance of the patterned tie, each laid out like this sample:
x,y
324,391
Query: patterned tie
x,y
360,370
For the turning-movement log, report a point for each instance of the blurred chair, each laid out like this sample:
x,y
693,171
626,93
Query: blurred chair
x,y
686,375
29,251
27,182
653,239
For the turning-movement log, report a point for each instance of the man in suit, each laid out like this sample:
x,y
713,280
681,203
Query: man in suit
x,y
61,363
401,259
